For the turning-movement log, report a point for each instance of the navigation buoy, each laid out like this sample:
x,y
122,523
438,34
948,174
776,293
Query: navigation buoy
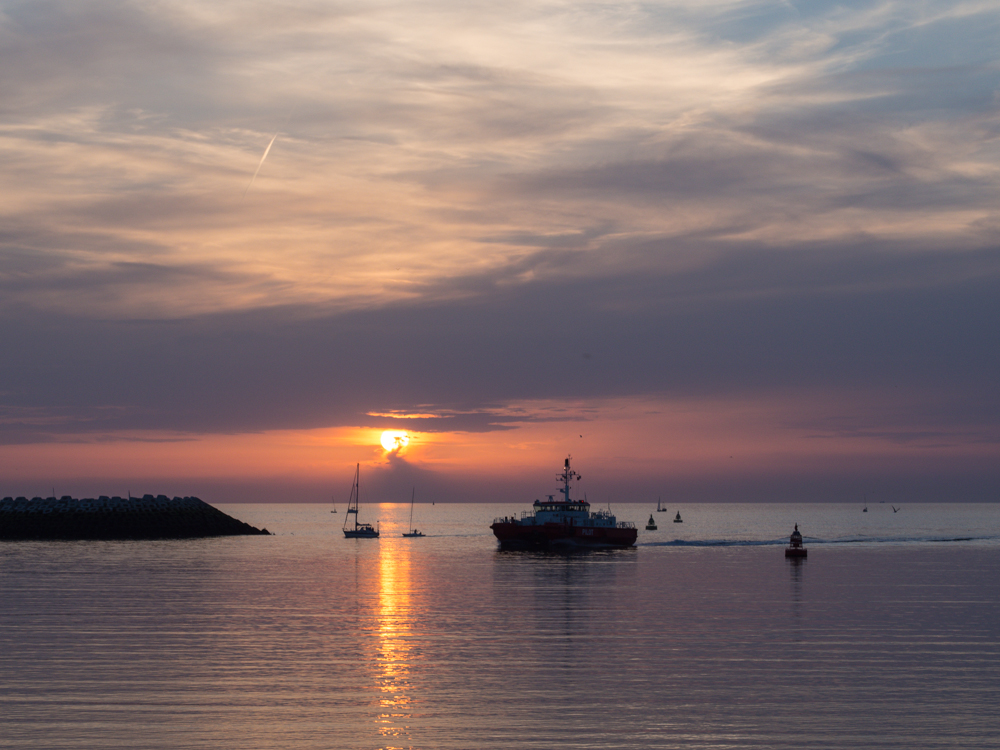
x,y
795,548
677,518
651,526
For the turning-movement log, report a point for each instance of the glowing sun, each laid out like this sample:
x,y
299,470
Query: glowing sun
x,y
394,440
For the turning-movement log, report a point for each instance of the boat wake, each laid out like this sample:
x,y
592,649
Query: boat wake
x,y
856,540
908,540
713,543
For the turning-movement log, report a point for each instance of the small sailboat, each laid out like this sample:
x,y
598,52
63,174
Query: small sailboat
x,y
412,531
651,525
360,530
677,518
658,508
334,505
865,509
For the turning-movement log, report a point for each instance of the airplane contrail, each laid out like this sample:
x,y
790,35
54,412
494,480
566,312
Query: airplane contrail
x,y
260,165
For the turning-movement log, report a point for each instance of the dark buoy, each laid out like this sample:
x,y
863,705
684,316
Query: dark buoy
x,y
795,548
677,518
651,526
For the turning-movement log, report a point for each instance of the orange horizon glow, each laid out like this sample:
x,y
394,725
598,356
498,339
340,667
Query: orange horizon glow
x,y
654,437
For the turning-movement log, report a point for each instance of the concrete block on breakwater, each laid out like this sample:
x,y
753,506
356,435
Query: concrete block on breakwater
x,y
148,517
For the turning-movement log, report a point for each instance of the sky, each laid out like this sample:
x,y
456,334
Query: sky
x,y
714,250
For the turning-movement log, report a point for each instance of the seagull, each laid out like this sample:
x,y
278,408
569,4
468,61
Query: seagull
x,y
894,509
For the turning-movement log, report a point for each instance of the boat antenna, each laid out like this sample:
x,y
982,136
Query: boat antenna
x,y
567,476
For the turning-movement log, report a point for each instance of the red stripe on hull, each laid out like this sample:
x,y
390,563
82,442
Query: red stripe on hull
x,y
556,534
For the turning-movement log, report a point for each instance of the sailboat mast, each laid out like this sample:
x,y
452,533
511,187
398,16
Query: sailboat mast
x,y
412,495
352,501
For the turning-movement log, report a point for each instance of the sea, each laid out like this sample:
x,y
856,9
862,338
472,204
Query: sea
x,y
702,636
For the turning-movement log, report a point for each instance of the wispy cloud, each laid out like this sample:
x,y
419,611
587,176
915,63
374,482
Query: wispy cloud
x,y
708,198
260,164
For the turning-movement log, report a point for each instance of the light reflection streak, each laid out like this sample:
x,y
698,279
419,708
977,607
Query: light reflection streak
x,y
394,647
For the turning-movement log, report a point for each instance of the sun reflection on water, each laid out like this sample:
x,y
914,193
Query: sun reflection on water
x,y
394,647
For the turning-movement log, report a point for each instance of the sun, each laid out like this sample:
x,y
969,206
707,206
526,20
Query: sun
x,y
394,440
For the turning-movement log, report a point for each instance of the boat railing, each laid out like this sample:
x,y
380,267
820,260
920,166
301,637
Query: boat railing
x,y
626,525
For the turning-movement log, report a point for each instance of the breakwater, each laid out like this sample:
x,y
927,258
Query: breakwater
x,y
148,517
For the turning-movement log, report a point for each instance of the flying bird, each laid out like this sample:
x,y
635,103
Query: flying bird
x,y
894,509
260,165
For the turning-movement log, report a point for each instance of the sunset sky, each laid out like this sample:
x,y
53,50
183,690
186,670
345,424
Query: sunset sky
x,y
714,250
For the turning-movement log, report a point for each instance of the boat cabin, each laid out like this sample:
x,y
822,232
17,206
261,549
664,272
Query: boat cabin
x,y
550,510
561,506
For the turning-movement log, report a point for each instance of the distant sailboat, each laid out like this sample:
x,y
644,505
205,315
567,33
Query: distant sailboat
x,y
360,530
334,500
865,509
658,508
412,532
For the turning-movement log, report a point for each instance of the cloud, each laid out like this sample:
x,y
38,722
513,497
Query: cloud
x,y
717,199
748,323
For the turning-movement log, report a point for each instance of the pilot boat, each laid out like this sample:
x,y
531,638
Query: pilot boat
x,y
563,523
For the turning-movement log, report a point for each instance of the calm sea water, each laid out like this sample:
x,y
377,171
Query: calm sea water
x,y
704,636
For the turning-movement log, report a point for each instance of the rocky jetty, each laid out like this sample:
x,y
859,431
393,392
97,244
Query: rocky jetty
x,y
148,517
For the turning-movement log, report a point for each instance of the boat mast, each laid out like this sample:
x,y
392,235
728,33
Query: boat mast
x,y
414,494
352,503
567,475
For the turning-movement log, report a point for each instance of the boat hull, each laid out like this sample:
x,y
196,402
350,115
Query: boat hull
x,y
545,536
360,534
